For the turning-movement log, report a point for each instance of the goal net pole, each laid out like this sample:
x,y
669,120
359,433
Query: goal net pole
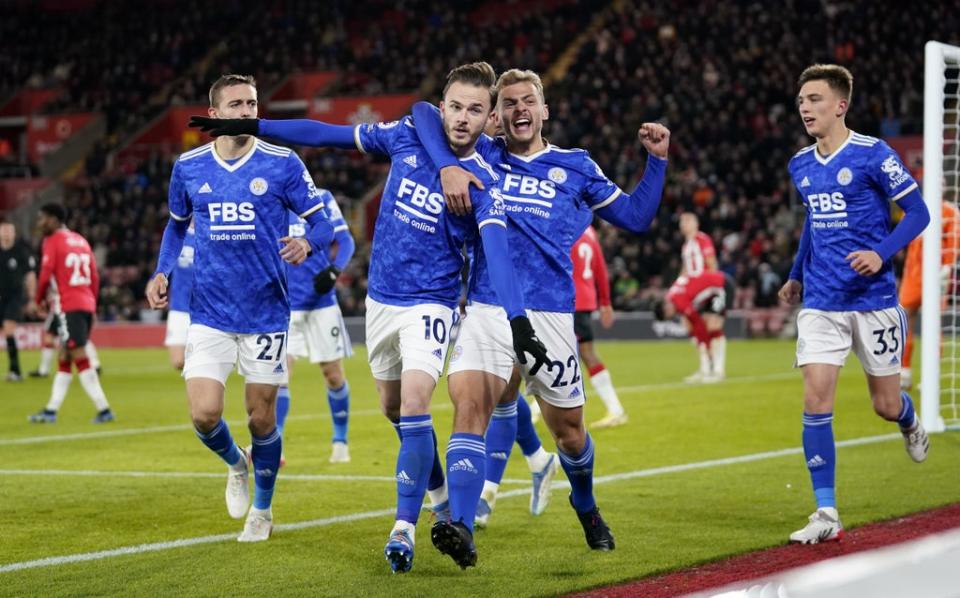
x,y
935,132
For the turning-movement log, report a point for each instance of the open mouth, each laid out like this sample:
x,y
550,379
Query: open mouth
x,y
522,125
808,120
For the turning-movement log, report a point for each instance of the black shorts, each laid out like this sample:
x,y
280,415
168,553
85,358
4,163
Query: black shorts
x,y
75,328
11,307
583,326
719,303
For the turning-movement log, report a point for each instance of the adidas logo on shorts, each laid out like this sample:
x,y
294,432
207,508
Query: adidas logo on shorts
x,y
574,393
437,353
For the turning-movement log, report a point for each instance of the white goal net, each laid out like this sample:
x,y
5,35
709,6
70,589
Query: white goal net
x,y
940,324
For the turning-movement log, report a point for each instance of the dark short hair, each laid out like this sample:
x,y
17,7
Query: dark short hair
x,y
480,74
837,77
54,210
228,81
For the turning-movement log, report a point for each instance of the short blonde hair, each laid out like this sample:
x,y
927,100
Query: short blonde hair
x,y
228,81
518,76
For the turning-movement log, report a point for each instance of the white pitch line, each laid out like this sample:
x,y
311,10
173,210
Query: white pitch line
x,y
170,428
441,406
303,477
607,479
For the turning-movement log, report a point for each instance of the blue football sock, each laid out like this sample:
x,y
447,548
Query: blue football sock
x,y
283,406
821,454
437,477
466,462
266,464
526,434
413,465
501,433
221,442
579,470
396,428
339,400
907,414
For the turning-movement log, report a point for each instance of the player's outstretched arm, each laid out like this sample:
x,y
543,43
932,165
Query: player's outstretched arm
x,y
297,131
454,179
916,217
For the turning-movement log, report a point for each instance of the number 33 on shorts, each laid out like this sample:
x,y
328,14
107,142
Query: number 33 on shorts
x,y
876,338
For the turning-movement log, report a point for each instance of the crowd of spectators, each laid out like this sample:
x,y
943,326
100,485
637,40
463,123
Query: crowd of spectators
x,y
721,75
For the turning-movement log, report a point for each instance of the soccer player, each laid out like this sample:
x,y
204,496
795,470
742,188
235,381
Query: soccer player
x,y
550,194
844,274
699,256
181,286
238,191
414,283
702,301
68,263
317,331
911,286
18,280
592,289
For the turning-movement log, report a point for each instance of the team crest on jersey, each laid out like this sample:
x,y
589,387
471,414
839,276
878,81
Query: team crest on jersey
x,y
845,176
557,175
258,186
894,170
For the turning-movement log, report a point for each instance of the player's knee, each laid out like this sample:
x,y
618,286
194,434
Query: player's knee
x,y
887,407
261,421
571,439
333,374
204,420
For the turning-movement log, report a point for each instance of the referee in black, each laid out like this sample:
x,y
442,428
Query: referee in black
x,y
18,280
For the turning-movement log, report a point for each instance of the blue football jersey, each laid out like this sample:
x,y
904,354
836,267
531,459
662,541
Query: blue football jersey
x,y
181,281
847,197
550,197
240,211
417,243
300,278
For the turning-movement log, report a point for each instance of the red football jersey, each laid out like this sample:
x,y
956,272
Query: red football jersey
x,y
695,253
69,264
689,293
590,279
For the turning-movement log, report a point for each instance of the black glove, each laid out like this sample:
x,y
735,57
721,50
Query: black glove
x,y
226,126
525,341
326,279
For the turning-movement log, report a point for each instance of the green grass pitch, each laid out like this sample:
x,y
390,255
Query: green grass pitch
x,y
74,487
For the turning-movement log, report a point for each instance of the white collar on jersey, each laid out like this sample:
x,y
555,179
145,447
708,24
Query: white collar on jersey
x,y
240,161
547,148
825,161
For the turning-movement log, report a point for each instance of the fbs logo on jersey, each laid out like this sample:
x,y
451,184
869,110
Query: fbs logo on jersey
x,y
894,170
528,185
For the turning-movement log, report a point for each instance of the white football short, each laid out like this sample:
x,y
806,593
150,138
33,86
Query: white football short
x,y
876,337
402,338
319,334
485,344
212,353
177,324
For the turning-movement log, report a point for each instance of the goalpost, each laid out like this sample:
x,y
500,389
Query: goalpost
x,y
940,374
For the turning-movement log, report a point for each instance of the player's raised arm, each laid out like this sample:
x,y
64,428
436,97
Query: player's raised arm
x,y
454,179
638,211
